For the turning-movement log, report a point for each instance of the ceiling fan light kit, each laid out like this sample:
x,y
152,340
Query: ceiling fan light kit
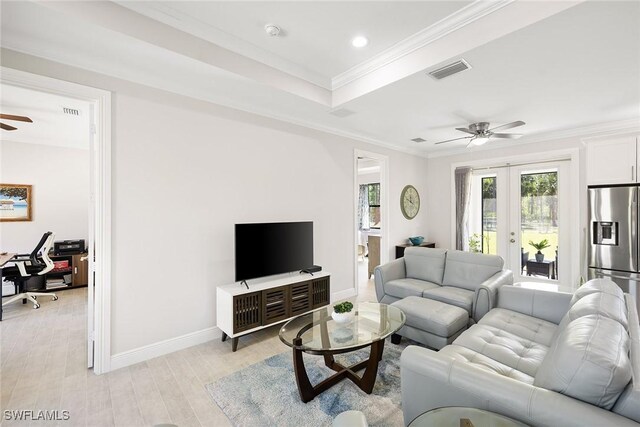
x,y
480,140
272,30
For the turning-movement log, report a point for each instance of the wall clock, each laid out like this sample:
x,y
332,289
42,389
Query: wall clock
x,y
409,202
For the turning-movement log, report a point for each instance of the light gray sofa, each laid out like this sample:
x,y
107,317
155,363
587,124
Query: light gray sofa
x,y
467,280
543,358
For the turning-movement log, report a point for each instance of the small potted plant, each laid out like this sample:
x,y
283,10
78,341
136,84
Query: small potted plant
x,y
543,244
342,312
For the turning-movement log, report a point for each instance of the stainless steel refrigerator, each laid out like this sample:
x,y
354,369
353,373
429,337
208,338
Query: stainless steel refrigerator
x,y
614,236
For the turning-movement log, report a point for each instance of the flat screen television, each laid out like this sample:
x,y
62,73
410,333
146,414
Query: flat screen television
x,y
272,248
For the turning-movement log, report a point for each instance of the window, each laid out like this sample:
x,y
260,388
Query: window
x,y
373,191
489,215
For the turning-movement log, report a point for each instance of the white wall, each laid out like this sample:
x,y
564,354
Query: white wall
x,y
185,171
60,197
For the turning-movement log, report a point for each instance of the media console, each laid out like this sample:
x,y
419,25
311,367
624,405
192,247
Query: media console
x,y
241,311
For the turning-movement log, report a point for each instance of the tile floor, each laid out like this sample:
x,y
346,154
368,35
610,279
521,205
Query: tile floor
x,y
43,366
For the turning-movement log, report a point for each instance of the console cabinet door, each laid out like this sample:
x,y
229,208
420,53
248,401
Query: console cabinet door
x,y
276,305
612,161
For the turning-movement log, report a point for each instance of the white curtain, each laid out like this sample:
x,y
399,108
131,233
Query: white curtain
x,y
463,195
363,208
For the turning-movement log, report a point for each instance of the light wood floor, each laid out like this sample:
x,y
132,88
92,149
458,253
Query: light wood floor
x,y
43,366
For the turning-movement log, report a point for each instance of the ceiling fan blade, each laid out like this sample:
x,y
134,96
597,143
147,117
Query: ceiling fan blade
x,y
509,125
466,130
16,118
506,135
454,139
6,127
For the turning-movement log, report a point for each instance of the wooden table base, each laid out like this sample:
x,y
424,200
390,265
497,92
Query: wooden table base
x,y
366,382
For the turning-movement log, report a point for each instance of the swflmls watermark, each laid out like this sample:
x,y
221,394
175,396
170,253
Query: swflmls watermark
x,y
38,415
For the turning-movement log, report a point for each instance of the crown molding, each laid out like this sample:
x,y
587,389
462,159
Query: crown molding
x,y
453,22
584,133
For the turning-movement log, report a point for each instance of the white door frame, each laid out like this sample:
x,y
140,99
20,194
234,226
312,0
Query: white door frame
x,y
100,199
575,221
384,208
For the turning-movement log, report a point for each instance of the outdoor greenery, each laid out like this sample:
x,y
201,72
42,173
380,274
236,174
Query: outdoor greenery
x,y
343,307
489,246
474,243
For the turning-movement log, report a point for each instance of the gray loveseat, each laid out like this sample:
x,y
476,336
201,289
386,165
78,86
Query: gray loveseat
x,y
544,358
467,280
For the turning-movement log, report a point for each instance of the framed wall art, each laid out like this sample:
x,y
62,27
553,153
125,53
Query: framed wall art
x,y
15,202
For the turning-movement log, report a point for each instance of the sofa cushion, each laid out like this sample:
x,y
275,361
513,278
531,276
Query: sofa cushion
x,y
455,296
483,362
606,286
425,264
402,288
588,361
628,404
509,349
531,328
468,270
440,319
601,303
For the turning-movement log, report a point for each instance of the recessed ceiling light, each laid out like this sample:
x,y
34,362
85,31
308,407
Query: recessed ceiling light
x,y
359,41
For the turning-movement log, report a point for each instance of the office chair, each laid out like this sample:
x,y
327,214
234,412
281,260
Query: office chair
x,y
28,266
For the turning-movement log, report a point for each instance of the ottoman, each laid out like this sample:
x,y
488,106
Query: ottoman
x,y
432,323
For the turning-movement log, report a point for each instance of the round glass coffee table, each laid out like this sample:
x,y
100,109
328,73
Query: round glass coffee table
x,y
457,416
317,333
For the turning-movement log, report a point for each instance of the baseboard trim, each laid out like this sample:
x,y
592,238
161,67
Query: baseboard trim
x,y
140,354
340,295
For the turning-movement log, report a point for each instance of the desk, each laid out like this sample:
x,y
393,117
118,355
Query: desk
x,y
5,257
544,268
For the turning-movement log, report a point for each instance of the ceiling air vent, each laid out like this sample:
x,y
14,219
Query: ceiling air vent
x,y
449,70
342,112
71,111
418,139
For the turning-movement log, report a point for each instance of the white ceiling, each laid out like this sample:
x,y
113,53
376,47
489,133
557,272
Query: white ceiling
x,y
315,42
555,65
51,126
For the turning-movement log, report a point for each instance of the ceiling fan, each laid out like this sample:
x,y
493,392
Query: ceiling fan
x,y
5,126
480,133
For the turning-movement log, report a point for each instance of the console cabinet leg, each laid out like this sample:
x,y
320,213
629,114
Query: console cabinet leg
x,y
224,336
234,343
395,338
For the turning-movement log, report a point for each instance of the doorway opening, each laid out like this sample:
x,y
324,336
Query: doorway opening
x,y
87,111
371,220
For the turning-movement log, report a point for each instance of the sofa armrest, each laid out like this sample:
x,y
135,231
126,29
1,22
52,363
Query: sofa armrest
x,y
487,293
431,380
390,271
546,305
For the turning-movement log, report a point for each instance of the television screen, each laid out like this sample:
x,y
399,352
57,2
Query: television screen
x,y
272,248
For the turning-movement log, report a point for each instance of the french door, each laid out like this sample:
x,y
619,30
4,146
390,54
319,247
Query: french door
x,y
521,213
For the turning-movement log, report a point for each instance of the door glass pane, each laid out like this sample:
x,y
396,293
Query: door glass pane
x,y
489,215
539,223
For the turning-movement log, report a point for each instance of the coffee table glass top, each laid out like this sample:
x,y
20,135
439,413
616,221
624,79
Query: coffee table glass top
x,y
460,416
320,333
